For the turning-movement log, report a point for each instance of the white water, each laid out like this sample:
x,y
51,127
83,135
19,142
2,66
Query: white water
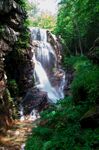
x,y
45,60
22,118
44,83
32,117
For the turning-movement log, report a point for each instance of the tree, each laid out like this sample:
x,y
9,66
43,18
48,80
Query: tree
x,y
32,9
77,23
44,20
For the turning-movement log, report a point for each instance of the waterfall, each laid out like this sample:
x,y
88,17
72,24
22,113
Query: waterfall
x,y
46,71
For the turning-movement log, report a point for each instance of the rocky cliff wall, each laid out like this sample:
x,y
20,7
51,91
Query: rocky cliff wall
x,y
12,27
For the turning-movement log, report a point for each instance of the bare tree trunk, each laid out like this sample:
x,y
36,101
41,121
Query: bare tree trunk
x,y
80,46
76,50
68,50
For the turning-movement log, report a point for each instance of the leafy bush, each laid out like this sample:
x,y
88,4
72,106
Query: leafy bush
x,y
85,86
60,127
62,130
76,62
13,87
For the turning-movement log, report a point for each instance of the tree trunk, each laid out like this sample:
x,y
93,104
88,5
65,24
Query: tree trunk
x,y
79,37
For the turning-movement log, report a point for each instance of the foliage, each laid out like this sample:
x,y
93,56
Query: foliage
x,y
13,88
32,9
76,62
44,20
60,126
62,131
22,3
38,18
7,105
77,23
85,85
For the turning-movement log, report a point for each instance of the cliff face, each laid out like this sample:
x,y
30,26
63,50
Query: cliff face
x,y
12,17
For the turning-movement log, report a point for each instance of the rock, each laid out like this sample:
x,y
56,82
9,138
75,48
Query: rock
x,y
94,51
17,133
9,35
5,6
69,78
56,44
12,16
4,47
91,118
34,99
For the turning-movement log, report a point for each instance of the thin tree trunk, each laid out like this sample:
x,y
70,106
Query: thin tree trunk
x,y
76,50
79,38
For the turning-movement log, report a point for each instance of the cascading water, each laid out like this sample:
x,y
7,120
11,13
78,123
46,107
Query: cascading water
x,y
46,70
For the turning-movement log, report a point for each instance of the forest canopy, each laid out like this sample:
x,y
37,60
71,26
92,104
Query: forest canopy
x,y
78,24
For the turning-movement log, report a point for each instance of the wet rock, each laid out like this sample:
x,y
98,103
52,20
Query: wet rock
x,y
69,78
34,99
56,44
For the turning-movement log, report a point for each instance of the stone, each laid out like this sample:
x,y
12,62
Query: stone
x,y
34,99
69,78
4,47
9,35
11,21
5,6
91,118
56,44
93,53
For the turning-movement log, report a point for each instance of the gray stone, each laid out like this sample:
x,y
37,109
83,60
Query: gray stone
x,y
9,35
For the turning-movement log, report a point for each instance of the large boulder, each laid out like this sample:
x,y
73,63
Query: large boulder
x,y
34,99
